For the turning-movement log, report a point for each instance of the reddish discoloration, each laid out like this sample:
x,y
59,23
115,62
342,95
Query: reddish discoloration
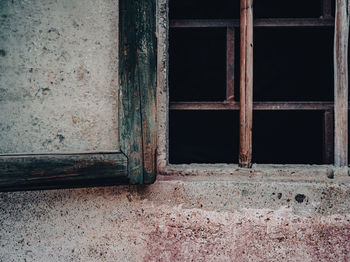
x,y
253,235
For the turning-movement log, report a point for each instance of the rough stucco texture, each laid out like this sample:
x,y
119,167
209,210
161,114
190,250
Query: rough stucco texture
x,y
58,75
168,221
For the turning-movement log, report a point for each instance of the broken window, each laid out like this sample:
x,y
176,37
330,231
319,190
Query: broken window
x,y
225,110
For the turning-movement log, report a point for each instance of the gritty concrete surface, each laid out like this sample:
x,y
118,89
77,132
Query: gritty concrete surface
x,y
58,75
58,93
179,219
162,84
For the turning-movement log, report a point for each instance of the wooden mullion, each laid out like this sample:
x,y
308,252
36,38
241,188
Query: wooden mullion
x,y
246,84
230,63
328,136
341,38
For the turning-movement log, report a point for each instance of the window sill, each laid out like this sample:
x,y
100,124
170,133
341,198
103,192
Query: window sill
x,y
261,172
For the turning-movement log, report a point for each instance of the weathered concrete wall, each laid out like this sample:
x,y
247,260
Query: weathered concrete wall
x,y
180,219
58,75
232,216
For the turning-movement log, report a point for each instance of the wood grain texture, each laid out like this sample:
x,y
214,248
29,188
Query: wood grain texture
x,y
233,105
230,63
46,171
147,80
328,136
341,38
137,96
259,22
246,84
137,121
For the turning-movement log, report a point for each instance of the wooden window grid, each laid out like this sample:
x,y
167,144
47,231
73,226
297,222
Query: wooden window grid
x,y
335,115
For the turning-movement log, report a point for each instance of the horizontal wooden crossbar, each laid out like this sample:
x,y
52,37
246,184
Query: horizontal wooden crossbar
x,y
262,22
46,171
323,106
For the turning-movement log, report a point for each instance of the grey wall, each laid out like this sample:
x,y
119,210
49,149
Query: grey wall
x,y
223,218
58,90
58,75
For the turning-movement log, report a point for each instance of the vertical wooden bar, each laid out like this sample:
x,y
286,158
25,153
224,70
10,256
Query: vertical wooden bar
x,y
137,89
130,132
328,137
246,83
327,9
230,63
341,38
146,71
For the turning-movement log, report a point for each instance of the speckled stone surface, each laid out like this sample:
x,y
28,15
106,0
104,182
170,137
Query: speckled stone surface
x,y
185,219
58,64
58,75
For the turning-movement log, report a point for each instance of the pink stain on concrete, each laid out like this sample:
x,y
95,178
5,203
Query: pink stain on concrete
x,y
176,234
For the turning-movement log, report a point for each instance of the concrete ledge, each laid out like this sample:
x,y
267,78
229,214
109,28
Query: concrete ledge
x,y
180,219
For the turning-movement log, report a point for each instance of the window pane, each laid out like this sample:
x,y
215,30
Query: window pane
x,y
203,137
204,9
287,8
197,64
292,64
287,137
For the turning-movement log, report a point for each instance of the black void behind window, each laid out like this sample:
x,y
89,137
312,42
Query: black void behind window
x,y
197,62
293,64
203,137
204,9
287,8
293,73
287,137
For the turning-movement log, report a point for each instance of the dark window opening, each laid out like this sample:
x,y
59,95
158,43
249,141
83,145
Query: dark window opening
x,y
197,63
203,137
287,9
204,9
293,64
287,137
293,85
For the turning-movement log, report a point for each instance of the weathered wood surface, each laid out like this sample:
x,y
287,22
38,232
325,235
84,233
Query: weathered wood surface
x,y
259,22
341,38
147,80
137,96
328,137
230,63
44,171
232,105
246,84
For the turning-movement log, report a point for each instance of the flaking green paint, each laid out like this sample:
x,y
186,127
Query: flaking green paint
x,y
136,164
45,171
137,97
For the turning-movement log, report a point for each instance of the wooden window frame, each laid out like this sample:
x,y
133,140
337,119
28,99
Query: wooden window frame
x,y
135,163
335,114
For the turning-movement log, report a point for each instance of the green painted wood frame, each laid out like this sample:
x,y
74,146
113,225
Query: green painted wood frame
x,y
136,162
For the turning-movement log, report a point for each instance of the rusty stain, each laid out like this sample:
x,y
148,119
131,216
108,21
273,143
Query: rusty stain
x,y
80,73
74,120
